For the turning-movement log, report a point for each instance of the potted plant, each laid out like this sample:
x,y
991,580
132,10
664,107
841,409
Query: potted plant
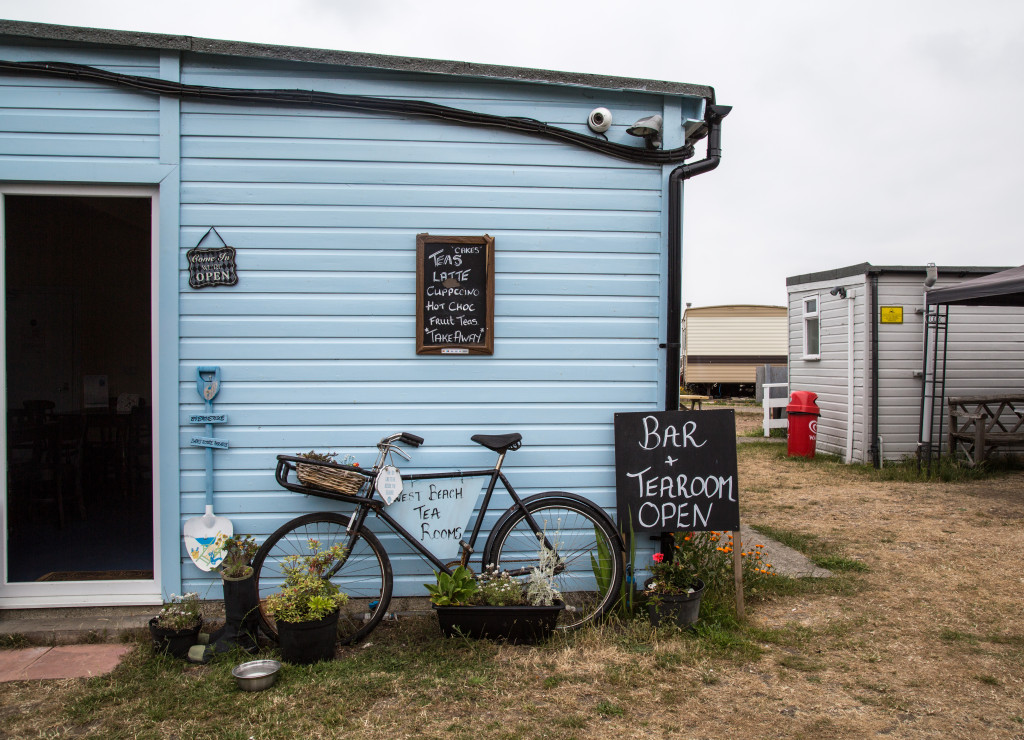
x,y
175,629
704,562
241,603
306,608
496,605
673,591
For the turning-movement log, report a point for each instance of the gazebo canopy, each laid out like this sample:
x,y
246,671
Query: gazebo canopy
x,y
1004,288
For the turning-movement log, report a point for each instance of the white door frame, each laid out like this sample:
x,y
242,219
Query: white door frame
x,y
89,593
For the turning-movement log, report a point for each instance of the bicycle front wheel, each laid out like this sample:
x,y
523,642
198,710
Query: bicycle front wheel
x,y
590,570
365,575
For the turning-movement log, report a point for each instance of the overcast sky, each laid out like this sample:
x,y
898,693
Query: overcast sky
x,y
887,132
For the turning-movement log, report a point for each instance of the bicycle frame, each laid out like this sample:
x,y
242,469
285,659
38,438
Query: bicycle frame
x,y
365,502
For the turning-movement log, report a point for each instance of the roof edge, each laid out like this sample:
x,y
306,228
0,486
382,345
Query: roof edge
x,y
197,44
866,268
737,306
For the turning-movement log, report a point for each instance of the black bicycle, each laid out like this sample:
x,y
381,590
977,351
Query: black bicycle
x,y
590,553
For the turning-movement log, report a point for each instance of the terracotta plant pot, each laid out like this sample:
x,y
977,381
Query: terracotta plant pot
x,y
173,642
513,623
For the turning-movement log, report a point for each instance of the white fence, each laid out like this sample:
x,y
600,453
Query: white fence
x,y
774,403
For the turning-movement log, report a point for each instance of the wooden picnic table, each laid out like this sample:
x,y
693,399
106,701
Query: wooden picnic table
x,y
696,402
979,424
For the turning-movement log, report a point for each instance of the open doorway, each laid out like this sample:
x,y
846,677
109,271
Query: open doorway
x,y
79,391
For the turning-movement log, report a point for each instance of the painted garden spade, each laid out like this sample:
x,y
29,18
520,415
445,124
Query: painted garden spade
x,y
205,535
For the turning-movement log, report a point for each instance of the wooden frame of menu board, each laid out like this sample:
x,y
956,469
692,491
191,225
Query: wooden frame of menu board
x,y
454,295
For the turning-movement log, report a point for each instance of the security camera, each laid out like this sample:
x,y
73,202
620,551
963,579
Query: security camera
x,y
600,120
839,291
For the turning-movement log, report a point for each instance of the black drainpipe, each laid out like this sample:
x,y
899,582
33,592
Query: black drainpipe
x,y
713,116
873,325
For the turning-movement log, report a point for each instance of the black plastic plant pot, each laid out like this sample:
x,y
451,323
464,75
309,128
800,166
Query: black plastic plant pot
x,y
173,642
512,623
308,642
682,610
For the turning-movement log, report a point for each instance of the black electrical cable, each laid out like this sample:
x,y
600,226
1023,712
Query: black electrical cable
x,y
361,103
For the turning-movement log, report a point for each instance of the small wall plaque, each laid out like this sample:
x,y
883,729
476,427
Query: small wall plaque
x,y
209,267
892,314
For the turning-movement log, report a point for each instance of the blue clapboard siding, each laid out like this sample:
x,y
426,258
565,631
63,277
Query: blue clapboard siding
x,y
316,342
52,117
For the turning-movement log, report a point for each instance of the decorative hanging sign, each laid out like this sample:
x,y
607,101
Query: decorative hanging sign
x,y
210,267
388,483
436,511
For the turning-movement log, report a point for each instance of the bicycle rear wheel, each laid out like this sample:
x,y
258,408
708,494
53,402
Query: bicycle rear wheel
x,y
365,575
588,547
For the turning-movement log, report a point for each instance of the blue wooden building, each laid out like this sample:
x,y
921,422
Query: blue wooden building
x,y
122,151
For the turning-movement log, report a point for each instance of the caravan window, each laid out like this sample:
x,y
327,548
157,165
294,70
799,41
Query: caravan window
x,y
811,333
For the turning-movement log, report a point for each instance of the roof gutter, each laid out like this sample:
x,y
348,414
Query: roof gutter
x,y
713,116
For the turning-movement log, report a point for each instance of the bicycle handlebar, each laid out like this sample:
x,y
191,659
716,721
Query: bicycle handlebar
x,y
411,439
406,437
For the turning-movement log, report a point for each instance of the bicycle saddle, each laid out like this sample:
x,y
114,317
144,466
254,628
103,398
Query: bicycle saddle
x,y
499,442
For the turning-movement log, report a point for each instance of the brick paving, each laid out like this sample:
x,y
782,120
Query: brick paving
x,y
60,661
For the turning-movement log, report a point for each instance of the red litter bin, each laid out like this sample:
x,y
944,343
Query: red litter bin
x,y
803,415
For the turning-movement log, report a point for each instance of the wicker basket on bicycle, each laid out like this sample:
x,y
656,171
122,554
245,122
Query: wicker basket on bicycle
x,y
330,479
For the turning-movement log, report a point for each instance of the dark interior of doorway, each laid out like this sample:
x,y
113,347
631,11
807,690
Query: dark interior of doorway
x,y
79,379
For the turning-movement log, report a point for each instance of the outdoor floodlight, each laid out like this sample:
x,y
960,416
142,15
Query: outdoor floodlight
x,y
649,129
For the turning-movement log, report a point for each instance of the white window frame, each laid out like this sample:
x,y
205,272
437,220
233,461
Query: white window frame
x,y
809,316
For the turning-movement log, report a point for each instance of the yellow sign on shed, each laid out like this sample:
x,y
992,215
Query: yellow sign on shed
x,y
892,314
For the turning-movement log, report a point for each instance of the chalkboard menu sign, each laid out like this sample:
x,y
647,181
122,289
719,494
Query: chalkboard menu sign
x,y
454,295
675,471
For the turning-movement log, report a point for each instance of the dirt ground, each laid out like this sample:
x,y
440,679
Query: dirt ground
x,y
931,646
748,418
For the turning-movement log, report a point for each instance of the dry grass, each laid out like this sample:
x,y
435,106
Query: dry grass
x,y
927,642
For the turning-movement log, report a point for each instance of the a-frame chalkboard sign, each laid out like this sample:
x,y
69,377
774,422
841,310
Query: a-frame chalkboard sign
x,y
676,471
454,295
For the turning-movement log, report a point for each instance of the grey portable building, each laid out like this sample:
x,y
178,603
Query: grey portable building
x,y
865,327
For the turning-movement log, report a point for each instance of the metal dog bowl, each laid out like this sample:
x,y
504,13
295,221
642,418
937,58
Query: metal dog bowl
x,y
256,675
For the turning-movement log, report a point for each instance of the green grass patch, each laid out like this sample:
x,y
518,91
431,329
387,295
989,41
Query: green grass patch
x,y
609,709
948,469
840,564
821,553
1008,645
801,663
777,433
572,721
13,641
